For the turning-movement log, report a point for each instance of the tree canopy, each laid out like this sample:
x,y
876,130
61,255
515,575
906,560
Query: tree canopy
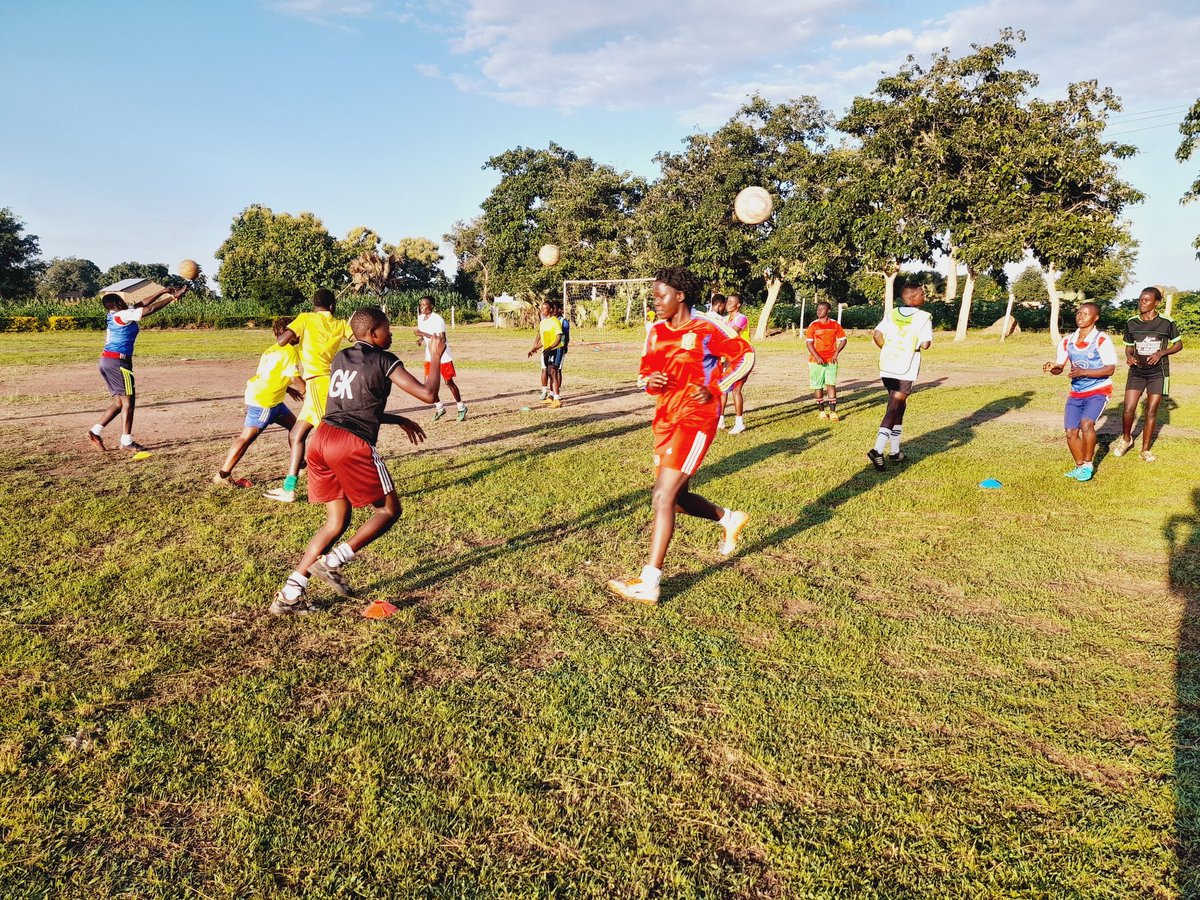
x,y
266,246
20,266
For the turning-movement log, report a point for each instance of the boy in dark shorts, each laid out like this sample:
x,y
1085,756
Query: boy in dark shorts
x,y
549,341
1089,358
345,470
1149,339
116,361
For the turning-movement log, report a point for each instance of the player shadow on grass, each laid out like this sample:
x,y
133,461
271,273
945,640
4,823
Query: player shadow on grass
x,y
822,509
1182,534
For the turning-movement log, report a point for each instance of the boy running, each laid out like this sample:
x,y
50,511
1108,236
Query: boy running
x,y
430,323
732,307
278,375
681,367
825,340
344,468
900,338
320,337
116,361
1149,339
1093,359
549,342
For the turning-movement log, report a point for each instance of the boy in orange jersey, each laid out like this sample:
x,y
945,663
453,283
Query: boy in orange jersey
x,y
681,367
826,340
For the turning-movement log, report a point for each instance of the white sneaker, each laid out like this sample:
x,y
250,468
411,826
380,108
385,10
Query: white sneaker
x,y
634,589
1121,447
721,424
281,495
737,522
738,428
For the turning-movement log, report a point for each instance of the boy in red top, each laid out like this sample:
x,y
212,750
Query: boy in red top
x,y
826,340
681,367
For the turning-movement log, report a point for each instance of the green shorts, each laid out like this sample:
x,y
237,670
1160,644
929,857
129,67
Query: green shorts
x,y
822,375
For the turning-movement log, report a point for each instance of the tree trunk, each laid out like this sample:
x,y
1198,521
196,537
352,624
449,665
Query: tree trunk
x,y
773,286
628,306
964,308
889,292
1051,278
1007,326
603,313
952,278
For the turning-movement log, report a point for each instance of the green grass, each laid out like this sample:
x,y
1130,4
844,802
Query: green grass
x,y
902,685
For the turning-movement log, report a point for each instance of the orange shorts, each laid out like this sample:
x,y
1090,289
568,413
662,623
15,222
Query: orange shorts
x,y
447,371
682,449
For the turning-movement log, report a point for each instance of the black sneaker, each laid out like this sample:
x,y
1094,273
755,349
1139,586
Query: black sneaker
x,y
282,606
897,457
331,576
876,458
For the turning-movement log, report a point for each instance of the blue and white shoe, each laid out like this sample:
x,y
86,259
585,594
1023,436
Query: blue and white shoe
x,y
1085,473
1074,473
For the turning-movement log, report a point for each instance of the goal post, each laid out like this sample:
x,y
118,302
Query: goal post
x,y
604,292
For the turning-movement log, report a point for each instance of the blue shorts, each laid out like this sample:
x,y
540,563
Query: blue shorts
x,y
259,417
1080,408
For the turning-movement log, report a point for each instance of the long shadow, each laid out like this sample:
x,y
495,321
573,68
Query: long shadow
x,y
822,509
99,407
1182,535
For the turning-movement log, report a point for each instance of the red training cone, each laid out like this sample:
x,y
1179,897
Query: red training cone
x,y
378,609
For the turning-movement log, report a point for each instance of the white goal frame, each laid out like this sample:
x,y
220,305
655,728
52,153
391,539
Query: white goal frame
x,y
607,282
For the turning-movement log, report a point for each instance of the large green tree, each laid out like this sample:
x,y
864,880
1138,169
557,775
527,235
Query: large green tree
x,y
153,271
280,248
555,196
1190,129
469,241
69,274
20,266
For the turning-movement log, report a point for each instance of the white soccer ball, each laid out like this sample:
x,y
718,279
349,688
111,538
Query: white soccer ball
x,y
753,205
549,254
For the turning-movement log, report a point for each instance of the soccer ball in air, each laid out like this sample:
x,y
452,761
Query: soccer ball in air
x,y
752,205
549,254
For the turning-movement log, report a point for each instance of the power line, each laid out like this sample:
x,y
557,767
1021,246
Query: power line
x,y
1146,128
1175,114
1147,112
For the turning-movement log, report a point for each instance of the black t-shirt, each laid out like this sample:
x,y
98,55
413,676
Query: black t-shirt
x,y
1150,337
359,385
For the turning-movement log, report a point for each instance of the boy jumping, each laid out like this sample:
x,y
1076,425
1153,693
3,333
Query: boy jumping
x,y
344,468
1093,359
680,366
320,337
278,375
430,323
826,340
116,361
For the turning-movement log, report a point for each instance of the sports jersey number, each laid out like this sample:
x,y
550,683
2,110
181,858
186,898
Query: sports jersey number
x,y
340,384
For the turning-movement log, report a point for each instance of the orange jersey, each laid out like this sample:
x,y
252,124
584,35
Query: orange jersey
x,y
690,355
825,336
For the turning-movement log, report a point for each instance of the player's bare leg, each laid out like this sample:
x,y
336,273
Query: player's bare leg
x,y
1075,445
889,431
297,436
114,410
831,402
1149,420
236,451
327,560
738,425
1128,418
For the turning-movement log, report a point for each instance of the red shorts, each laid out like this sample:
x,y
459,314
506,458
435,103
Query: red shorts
x,y
341,464
682,449
447,371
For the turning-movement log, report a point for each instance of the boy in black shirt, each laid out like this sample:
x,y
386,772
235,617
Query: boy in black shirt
x,y
1149,340
344,468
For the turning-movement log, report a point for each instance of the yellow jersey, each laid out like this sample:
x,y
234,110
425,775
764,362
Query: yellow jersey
x,y
321,336
276,368
551,329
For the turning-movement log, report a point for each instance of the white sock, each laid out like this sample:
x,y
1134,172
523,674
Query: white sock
x,y
651,576
895,440
97,430
339,555
881,442
461,405
726,518
737,420
554,396
439,405
294,586
126,440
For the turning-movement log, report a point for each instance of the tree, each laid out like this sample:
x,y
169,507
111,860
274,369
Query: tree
x,y
20,266
279,247
1030,287
555,196
1190,129
152,271
414,262
69,274
469,242
1105,280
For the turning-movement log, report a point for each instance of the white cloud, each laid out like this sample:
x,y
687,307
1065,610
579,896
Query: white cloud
x,y
893,38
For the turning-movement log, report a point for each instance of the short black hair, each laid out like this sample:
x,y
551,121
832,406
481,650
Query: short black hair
x,y
910,287
1092,303
365,320
824,303
735,295
682,280
1152,290
323,298
432,302
113,301
279,325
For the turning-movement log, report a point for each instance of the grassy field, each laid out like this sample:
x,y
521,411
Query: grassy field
x,y
901,686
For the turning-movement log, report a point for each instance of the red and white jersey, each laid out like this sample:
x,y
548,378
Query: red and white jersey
x,y
690,355
1096,351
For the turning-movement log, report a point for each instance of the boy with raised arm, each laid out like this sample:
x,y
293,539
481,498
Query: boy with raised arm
x,y
429,324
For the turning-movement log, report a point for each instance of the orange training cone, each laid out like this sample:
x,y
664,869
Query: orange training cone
x,y
378,609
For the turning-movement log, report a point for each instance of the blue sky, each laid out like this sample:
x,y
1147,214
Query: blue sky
x,y
138,130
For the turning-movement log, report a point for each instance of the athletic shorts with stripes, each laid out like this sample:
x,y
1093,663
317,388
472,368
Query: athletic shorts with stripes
x,y
117,372
682,449
343,465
